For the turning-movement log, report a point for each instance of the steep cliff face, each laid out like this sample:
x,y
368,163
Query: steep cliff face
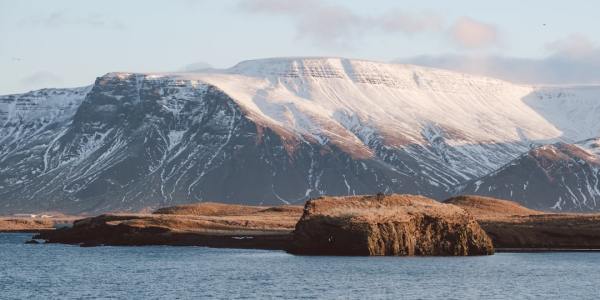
x,y
387,225
28,124
138,141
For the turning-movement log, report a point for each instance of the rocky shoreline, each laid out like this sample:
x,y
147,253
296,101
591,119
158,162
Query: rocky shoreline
x,y
33,225
357,225
514,227
205,224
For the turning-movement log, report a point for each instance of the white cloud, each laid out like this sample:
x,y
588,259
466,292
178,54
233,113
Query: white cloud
x,y
572,60
574,45
336,25
399,21
59,19
471,34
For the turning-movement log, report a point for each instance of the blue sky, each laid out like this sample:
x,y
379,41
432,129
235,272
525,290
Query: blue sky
x,y
68,43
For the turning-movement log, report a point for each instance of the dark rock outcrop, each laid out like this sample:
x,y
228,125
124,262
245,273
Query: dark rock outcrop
x,y
387,225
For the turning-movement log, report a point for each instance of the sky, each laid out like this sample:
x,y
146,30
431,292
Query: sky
x,y
64,43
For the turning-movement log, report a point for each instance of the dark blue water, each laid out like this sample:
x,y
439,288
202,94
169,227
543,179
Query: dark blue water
x,y
70,272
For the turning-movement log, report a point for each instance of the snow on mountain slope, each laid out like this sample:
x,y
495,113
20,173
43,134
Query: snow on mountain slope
x,y
23,114
147,140
556,176
28,124
573,110
468,125
300,93
274,130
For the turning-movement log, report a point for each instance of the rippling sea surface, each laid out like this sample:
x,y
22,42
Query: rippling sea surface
x,y
162,272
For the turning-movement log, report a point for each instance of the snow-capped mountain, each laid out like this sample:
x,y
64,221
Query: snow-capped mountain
x,y
558,176
273,131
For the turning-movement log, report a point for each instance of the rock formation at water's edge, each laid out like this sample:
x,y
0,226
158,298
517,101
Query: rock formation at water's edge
x,y
398,225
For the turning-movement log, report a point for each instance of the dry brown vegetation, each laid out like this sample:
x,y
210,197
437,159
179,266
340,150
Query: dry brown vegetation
x,y
387,225
512,226
380,207
213,217
23,224
209,209
484,208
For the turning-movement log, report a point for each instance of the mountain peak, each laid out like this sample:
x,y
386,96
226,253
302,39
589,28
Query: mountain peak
x,y
301,126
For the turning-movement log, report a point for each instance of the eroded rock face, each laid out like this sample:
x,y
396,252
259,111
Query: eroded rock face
x,y
387,225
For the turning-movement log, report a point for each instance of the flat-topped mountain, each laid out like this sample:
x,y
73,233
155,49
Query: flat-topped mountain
x,y
276,131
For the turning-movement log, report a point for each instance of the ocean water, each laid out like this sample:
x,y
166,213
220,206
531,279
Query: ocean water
x,y
162,272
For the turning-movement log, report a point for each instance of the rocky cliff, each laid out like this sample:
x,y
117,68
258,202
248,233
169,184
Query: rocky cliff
x,y
387,225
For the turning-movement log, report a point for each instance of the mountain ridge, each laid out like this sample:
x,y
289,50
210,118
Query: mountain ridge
x,y
295,127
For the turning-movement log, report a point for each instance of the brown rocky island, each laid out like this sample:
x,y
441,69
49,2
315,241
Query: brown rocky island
x,y
354,225
365,225
395,225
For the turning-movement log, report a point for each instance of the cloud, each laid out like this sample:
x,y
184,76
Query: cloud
x,y
330,25
314,20
336,25
399,21
277,6
571,60
471,34
575,45
197,66
59,19
40,79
